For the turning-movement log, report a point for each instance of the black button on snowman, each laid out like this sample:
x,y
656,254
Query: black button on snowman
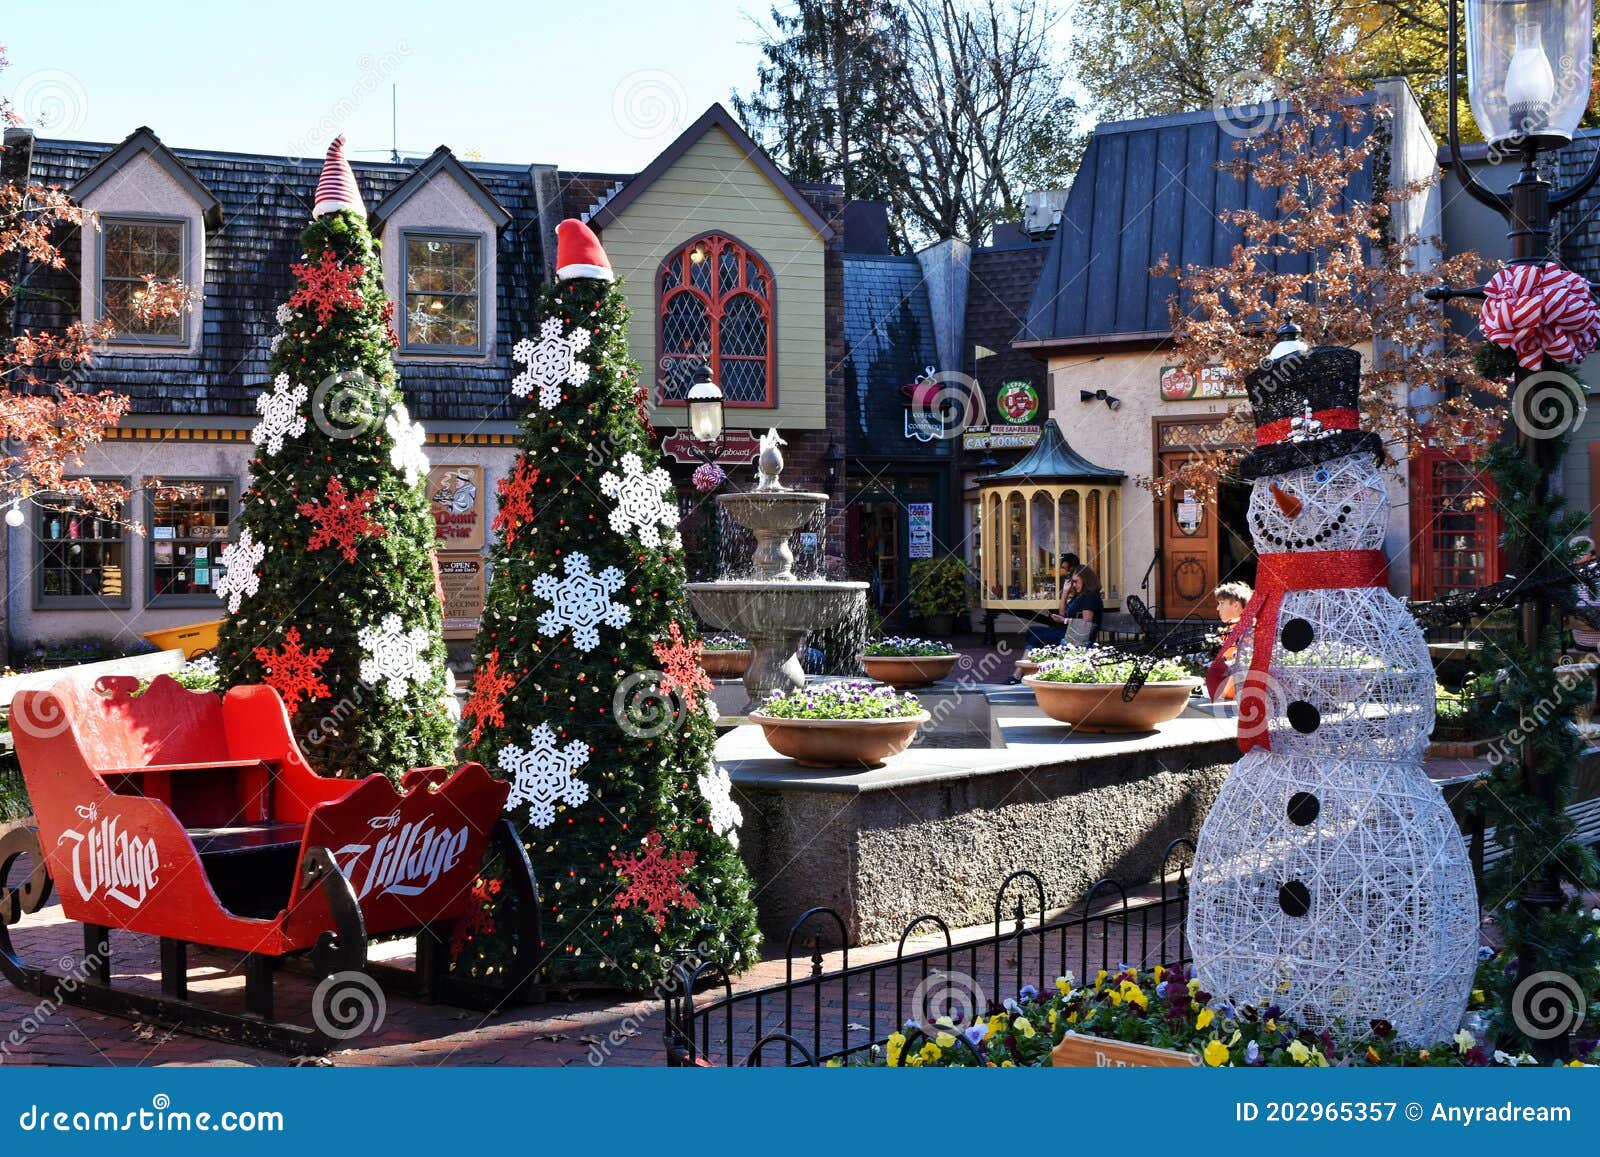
x,y
1330,878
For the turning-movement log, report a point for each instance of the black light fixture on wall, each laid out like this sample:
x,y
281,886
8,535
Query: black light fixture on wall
x,y
1112,403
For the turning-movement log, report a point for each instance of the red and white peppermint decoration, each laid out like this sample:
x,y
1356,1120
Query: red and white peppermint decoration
x,y
1538,312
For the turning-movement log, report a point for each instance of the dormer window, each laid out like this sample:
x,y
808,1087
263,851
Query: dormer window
x,y
441,274
132,252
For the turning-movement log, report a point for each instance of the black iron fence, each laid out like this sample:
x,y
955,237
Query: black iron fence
x,y
815,1016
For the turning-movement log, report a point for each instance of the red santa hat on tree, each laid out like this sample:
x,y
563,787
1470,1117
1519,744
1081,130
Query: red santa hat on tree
x,y
578,252
336,188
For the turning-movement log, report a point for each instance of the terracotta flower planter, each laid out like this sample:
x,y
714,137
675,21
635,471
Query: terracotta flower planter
x,y
1026,667
852,743
901,671
1099,707
725,664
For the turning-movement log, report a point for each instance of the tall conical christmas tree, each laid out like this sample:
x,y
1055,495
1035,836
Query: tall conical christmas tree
x,y
588,693
330,587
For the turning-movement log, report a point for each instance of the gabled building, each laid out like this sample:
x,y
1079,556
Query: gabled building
x,y
463,262
1150,189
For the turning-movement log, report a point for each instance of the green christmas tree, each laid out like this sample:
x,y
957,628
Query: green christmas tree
x,y
588,693
330,591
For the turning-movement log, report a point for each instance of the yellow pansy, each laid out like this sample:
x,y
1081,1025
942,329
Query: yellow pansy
x,y
1133,994
1025,1026
1008,1064
1055,1018
1372,1055
1216,1053
1477,996
1299,1052
1064,984
894,1046
1194,986
945,1021
931,1051
1272,1026
1072,1017
1158,972
997,1023
1203,1021
945,1040
835,1063
1099,979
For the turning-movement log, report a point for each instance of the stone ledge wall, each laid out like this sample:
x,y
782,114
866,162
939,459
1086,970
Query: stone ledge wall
x,y
881,858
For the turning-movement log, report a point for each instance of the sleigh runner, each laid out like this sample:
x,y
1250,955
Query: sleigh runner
x,y
194,818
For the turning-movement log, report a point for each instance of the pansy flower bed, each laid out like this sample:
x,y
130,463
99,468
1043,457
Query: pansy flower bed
x,y
1102,666
1166,1008
901,648
847,699
1053,653
724,643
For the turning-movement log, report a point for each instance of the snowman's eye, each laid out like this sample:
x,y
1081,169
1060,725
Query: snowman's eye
x,y
1322,476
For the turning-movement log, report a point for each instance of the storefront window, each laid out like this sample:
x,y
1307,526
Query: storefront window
x,y
1046,559
82,558
190,522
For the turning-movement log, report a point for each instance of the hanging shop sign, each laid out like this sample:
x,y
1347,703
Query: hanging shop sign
x,y
1076,1051
999,437
1018,402
1179,385
455,495
461,578
740,447
919,519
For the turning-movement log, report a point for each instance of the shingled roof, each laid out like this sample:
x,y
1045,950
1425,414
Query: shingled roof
x,y
888,330
265,203
1147,189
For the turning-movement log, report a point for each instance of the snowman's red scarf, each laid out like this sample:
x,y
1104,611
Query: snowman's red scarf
x,y
1311,570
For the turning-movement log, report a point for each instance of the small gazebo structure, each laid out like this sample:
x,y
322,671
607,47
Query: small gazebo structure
x,y
1051,503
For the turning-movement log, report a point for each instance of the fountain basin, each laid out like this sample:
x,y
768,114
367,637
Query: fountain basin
x,y
774,615
772,515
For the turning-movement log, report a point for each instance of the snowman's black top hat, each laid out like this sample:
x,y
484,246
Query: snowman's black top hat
x,y
1306,410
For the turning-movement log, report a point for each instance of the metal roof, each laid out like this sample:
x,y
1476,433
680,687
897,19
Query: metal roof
x,y
1052,459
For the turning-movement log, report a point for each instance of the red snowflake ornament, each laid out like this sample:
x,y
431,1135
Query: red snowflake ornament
x,y
655,881
516,500
341,519
294,672
486,703
680,663
326,286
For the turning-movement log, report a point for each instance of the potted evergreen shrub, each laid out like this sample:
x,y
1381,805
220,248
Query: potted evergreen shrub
x,y
724,656
906,663
849,723
940,591
1086,691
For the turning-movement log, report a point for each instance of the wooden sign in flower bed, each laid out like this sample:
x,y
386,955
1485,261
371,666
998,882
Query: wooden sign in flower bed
x,y
1087,1052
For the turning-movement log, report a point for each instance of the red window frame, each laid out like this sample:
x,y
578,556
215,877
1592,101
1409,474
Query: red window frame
x,y
1437,546
716,300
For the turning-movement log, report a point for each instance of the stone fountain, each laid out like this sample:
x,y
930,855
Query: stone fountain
x,y
773,609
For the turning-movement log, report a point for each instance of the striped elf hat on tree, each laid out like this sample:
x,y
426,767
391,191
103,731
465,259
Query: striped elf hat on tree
x,y
336,188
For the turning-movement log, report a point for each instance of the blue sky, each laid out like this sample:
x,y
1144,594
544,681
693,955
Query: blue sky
x,y
587,85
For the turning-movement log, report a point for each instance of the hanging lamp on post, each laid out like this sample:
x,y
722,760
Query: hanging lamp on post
x,y
1529,72
705,414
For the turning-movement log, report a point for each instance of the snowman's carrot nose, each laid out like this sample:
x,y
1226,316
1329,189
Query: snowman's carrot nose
x,y
1287,502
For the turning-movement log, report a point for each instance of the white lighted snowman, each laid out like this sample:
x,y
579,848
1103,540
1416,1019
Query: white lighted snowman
x,y
1330,878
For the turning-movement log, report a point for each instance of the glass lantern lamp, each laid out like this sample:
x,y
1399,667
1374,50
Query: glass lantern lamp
x,y
1528,69
705,408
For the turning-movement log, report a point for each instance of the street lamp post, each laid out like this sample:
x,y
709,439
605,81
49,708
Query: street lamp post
x,y
705,416
1529,74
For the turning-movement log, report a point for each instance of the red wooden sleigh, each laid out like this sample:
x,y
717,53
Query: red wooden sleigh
x,y
195,818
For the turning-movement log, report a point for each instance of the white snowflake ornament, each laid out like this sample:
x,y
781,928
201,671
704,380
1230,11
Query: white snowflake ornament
x,y
395,656
543,773
645,502
409,436
550,363
285,315
581,601
716,788
239,561
280,415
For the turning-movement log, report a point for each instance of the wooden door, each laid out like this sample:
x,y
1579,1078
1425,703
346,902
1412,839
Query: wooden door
x,y
1189,550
